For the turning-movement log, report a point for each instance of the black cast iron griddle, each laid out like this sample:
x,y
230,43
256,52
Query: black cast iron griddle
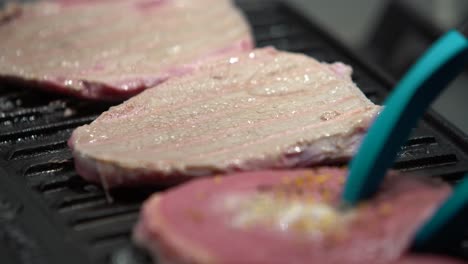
x,y
48,215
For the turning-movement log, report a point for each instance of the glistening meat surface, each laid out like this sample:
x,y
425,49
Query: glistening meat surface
x,y
112,50
258,110
287,217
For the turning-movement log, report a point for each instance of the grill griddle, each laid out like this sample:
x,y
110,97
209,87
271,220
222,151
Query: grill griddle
x,y
49,215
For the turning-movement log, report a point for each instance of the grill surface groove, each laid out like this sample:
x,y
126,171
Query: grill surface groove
x,y
423,140
49,167
81,201
110,220
31,133
43,149
59,182
426,162
110,240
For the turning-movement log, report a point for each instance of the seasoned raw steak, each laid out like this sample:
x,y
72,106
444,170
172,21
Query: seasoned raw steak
x,y
113,49
285,217
259,110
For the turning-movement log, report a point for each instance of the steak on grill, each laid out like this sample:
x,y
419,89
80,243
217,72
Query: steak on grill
x,y
285,217
258,110
112,50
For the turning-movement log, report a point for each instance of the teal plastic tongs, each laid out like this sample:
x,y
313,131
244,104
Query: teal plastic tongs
x,y
404,107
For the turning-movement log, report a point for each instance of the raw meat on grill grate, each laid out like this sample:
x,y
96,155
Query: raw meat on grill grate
x,y
285,217
258,110
111,50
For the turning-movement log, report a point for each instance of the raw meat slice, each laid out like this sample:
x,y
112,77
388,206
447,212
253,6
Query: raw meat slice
x,y
258,110
112,50
285,217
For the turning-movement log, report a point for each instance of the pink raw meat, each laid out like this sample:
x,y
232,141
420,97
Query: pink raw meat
x,y
285,217
112,50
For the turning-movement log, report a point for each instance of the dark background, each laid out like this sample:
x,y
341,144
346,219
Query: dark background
x,y
393,33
